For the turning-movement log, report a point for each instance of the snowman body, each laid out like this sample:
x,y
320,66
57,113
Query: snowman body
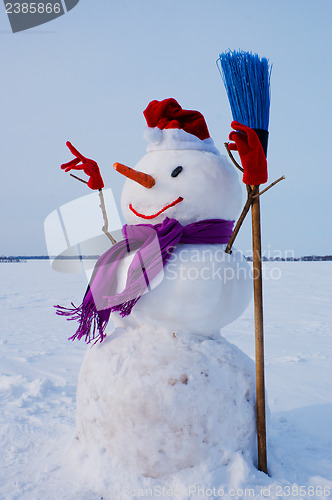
x,y
201,287
152,403
164,392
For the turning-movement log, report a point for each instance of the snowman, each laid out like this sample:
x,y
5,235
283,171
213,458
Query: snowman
x,y
164,395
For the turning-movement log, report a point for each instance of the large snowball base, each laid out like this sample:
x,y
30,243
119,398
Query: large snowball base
x,y
152,403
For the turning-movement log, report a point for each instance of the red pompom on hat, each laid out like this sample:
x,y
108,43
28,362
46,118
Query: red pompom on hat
x,y
171,127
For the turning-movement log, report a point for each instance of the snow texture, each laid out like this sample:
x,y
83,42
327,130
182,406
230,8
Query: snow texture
x,y
168,403
39,371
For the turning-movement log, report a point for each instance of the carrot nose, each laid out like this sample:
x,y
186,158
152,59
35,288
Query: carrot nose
x,y
145,180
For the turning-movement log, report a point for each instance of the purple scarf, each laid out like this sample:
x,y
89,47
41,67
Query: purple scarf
x,y
153,246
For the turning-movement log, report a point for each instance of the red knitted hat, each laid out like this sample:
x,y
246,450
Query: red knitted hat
x,y
171,127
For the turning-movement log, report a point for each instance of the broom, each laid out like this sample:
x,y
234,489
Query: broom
x,y
247,81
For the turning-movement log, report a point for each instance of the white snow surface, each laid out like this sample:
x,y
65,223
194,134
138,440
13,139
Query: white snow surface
x,y
151,403
41,457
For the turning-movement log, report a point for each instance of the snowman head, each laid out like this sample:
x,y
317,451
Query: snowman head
x,y
182,176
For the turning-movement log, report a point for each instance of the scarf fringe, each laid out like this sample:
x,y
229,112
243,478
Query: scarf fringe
x,y
125,308
91,325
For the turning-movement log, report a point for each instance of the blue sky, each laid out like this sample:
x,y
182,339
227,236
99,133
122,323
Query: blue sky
x,y
88,75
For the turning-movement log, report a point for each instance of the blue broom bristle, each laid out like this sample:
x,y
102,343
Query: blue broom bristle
x,y
247,81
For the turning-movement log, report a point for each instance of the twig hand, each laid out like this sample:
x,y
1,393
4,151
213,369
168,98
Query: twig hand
x,y
89,167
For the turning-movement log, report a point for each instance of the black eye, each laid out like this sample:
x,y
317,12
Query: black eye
x,y
176,171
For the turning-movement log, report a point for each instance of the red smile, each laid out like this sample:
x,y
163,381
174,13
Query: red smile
x,y
158,213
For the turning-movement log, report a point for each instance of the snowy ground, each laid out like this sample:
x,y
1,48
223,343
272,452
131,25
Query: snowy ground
x,y
39,369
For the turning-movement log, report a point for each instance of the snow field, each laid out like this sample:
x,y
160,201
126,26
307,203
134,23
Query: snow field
x,y
39,371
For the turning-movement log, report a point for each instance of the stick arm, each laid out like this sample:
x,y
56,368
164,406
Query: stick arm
x,y
103,209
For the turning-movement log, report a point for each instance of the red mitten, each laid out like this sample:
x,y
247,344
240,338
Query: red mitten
x,y
251,152
89,167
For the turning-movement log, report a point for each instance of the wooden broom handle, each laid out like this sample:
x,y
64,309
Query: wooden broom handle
x,y
259,332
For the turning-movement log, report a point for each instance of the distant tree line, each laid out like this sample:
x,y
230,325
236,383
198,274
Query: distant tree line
x,y
10,259
306,258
